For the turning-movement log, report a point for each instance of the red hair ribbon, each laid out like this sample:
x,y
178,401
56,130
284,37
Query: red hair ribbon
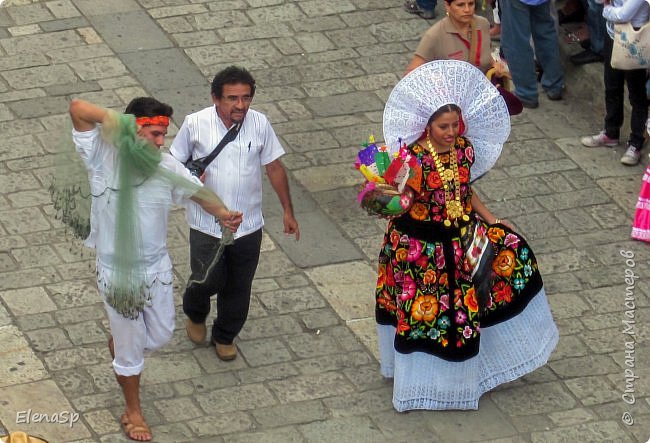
x,y
158,120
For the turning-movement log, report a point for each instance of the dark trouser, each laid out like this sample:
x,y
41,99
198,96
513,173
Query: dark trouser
x,y
231,279
615,80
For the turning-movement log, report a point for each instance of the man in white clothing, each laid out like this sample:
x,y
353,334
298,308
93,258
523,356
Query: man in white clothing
x,y
236,175
102,139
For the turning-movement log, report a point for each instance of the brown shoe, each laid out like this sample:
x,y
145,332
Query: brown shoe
x,y
196,331
226,352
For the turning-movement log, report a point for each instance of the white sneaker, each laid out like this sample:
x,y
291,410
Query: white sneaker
x,y
598,140
632,156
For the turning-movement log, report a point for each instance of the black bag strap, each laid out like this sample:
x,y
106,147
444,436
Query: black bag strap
x,y
230,136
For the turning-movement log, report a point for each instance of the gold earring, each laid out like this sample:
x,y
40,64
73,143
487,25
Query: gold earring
x,y
447,13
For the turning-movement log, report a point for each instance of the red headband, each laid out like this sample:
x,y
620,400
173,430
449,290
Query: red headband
x,y
158,120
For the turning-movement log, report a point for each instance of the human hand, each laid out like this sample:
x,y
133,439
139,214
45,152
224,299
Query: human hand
x,y
231,220
291,225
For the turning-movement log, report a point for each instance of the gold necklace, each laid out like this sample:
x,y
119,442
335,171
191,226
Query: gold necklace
x,y
452,204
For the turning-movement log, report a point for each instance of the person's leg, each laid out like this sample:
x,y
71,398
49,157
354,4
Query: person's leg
x,y
196,299
636,81
547,49
159,315
234,299
515,41
427,5
129,338
614,93
597,26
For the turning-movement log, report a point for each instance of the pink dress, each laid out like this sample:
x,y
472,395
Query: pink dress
x,y
641,226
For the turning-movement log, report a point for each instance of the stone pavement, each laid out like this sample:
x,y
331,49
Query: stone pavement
x,y
307,370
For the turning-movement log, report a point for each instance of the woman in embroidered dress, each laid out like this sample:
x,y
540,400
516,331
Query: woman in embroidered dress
x,y
460,303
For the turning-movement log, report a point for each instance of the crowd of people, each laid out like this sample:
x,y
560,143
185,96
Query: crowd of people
x,y
528,34
460,302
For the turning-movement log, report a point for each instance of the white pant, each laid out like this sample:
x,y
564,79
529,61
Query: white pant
x,y
151,330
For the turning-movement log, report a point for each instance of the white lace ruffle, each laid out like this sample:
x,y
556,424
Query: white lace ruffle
x,y
430,86
508,351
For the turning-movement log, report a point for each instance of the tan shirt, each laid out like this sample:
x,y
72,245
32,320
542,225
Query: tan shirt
x,y
443,42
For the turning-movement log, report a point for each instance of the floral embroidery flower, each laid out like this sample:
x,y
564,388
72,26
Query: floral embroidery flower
x,y
433,180
469,153
422,262
528,271
511,240
402,326
504,263
429,277
502,292
444,302
463,174
399,276
416,333
430,249
495,234
408,288
405,200
442,280
467,332
386,301
433,333
523,254
440,258
417,149
401,254
439,196
425,308
519,284
444,342
460,317
458,251
381,276
443,322
394,239
470,300
415,249
418,211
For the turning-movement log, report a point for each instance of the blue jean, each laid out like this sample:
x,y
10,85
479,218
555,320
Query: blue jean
x,y
520,22
427,5
596,25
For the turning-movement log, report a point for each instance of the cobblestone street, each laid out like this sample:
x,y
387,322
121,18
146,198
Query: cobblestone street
x,y
307,369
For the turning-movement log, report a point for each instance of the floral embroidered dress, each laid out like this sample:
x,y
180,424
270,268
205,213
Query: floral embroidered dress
x,y
426,288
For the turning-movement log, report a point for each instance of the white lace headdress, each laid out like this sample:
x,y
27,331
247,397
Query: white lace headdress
x,y
430,86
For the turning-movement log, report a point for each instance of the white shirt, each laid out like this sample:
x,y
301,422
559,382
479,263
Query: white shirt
x,y
635,12
154,199
235,175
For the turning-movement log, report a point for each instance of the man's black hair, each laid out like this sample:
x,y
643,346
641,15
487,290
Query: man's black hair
x,y
148,107
230,76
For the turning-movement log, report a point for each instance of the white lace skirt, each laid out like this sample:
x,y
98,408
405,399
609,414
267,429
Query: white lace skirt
x,y
508,351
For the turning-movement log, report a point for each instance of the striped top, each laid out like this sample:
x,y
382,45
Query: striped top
x,y
236,173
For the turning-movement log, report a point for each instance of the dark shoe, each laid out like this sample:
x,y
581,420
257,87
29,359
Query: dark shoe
x,y
528,103
554,95
585,57
225,352
585,44
195,331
